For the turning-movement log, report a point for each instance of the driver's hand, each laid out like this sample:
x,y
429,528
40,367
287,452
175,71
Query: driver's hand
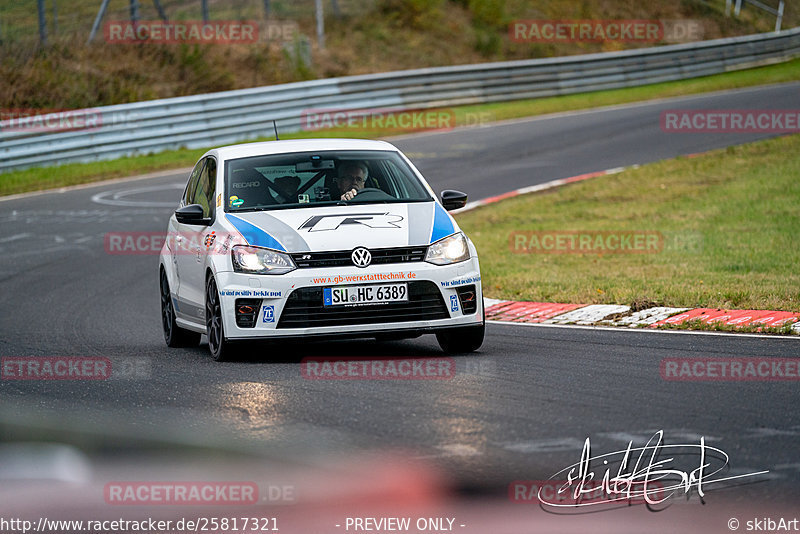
x,y
350,194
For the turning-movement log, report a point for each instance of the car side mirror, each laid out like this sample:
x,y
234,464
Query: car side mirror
x,y
453,200
192,214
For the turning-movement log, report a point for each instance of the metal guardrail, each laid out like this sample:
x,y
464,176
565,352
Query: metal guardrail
x,y
232,116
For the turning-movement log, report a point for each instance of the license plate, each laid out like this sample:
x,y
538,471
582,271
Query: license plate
x,y
344,295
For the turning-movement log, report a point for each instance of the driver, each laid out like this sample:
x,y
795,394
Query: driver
x,y
350,178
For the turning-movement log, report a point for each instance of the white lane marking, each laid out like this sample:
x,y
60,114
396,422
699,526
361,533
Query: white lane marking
x,y
454,449
39,251
793,467
646,330
57,218
559,182
459,449
14,238
118,196
544,445
617,170
102,183
771,432
642,436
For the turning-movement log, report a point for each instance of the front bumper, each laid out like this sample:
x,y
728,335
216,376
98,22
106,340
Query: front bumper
x,y
285,303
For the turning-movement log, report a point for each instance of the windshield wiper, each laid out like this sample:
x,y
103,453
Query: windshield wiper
x,y
255,208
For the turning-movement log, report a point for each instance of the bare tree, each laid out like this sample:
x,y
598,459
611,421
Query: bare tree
x,y
134,9
160,10
320,25
42,23
97,20
55,17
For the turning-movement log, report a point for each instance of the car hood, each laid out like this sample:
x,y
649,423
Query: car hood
x,y
343,227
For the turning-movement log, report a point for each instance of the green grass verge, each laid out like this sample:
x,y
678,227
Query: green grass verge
x,y
729,222
72,174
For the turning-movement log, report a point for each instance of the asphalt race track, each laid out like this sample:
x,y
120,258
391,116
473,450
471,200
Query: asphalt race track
x,y
520,408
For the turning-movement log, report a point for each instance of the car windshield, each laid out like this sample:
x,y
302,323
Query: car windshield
x,y
305,179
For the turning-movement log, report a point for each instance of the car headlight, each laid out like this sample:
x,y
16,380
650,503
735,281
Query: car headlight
x,y
257,260
452,249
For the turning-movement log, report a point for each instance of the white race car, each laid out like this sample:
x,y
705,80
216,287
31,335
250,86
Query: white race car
x,y
315,238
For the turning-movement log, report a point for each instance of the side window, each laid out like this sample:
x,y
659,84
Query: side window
x,y
191,186
204,192
395,185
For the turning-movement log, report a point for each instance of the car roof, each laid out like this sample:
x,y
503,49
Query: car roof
x,y
297,145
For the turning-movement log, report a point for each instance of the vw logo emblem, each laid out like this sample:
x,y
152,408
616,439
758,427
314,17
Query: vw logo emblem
x,y
361,257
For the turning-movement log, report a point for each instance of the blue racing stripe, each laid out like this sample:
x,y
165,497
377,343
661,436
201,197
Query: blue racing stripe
x,y
442,224
253,234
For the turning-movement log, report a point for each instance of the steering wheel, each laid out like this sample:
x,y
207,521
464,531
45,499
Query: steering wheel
x,y
372,194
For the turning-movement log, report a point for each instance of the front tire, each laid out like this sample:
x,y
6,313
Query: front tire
x,y
461,340
174,335
217,344
464,339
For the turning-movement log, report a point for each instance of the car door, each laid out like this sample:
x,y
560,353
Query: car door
x,y
192,248
175,239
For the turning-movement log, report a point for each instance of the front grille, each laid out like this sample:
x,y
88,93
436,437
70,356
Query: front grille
x,y
304,309
341,258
